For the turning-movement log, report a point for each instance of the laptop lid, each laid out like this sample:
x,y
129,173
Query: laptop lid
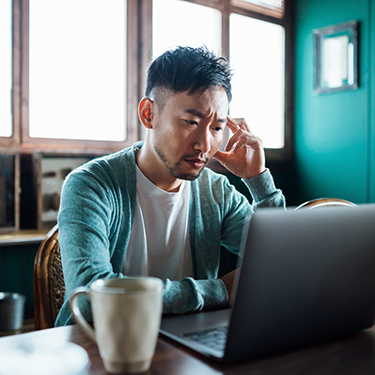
x,y
306,276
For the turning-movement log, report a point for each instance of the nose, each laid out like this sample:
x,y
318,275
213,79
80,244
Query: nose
x,y
202,141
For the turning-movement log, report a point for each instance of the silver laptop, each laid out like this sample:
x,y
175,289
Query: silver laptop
x,y
306,276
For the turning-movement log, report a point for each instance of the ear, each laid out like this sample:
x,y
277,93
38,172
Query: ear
x,y
145,112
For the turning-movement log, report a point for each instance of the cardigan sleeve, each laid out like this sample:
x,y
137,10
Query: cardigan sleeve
x,y
87,220
237,208
214,226
264,192
193,295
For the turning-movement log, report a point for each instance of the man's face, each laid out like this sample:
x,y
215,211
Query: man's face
x,y
188,131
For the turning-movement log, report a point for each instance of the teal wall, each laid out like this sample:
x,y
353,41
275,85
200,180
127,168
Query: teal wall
x,y
334,133
371,77
16,271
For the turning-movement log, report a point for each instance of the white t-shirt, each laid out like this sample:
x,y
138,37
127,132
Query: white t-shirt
x,y
159,241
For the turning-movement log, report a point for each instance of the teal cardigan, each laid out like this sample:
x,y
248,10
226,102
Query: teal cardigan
x,y
96,216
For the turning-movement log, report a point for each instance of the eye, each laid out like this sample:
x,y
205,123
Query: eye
x,y
191,122
218,129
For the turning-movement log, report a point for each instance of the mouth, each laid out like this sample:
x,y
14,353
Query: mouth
x,y
196,163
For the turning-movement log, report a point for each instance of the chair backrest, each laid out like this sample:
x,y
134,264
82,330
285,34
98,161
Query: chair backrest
x,y
49,286
325,202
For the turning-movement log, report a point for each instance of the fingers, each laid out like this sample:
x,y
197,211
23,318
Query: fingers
x,y
241,136
221,156
237,123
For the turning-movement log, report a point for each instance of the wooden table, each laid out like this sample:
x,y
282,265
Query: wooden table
x,y
353,355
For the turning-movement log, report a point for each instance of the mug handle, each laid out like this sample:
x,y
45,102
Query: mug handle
x,y
77,315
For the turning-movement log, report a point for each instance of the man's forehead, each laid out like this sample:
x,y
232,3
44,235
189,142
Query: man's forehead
x,y
205,102
216,90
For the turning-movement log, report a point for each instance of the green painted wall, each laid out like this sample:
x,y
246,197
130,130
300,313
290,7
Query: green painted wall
x,y
334,133
371,166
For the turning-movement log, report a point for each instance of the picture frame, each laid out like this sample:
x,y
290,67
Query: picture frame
x,y
336,58
51,170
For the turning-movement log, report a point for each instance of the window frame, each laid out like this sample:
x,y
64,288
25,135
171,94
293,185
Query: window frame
x,y
20,93
14,139
139,47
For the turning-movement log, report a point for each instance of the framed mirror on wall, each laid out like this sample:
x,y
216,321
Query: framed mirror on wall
x,y
9,191
336,58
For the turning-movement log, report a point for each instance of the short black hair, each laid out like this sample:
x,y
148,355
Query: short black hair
x,y
189,69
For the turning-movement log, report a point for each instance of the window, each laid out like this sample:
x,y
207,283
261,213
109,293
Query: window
x,y
83,64
78,62
179,30
252,34
6,68
258,82
77,65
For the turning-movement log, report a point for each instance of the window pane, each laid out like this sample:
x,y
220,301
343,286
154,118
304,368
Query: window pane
x,y
258,82
187,24
77,69
5,68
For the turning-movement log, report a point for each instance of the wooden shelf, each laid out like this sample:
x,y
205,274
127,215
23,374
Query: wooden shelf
x,y
20,237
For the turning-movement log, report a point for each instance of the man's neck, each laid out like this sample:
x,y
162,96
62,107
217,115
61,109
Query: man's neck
x,y
158,176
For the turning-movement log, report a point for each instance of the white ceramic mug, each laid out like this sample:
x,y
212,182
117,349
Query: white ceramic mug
x,y
126,314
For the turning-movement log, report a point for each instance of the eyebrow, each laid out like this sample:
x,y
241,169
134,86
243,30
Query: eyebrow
x,y
199,114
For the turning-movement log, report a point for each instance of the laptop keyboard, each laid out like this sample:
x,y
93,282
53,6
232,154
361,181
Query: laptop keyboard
x,y
214,338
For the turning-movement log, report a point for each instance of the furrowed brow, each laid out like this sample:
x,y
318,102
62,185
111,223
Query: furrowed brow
x,y
222,120
195,112
199,114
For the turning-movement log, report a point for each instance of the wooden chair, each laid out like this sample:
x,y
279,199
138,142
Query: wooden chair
x,y
325,202
49,286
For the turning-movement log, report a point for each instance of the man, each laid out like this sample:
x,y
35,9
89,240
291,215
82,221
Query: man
x,y
153,209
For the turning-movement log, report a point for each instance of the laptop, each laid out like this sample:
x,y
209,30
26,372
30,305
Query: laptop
x,y
305,276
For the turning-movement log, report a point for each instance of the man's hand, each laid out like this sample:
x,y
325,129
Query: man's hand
x,y
244,154
228,280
